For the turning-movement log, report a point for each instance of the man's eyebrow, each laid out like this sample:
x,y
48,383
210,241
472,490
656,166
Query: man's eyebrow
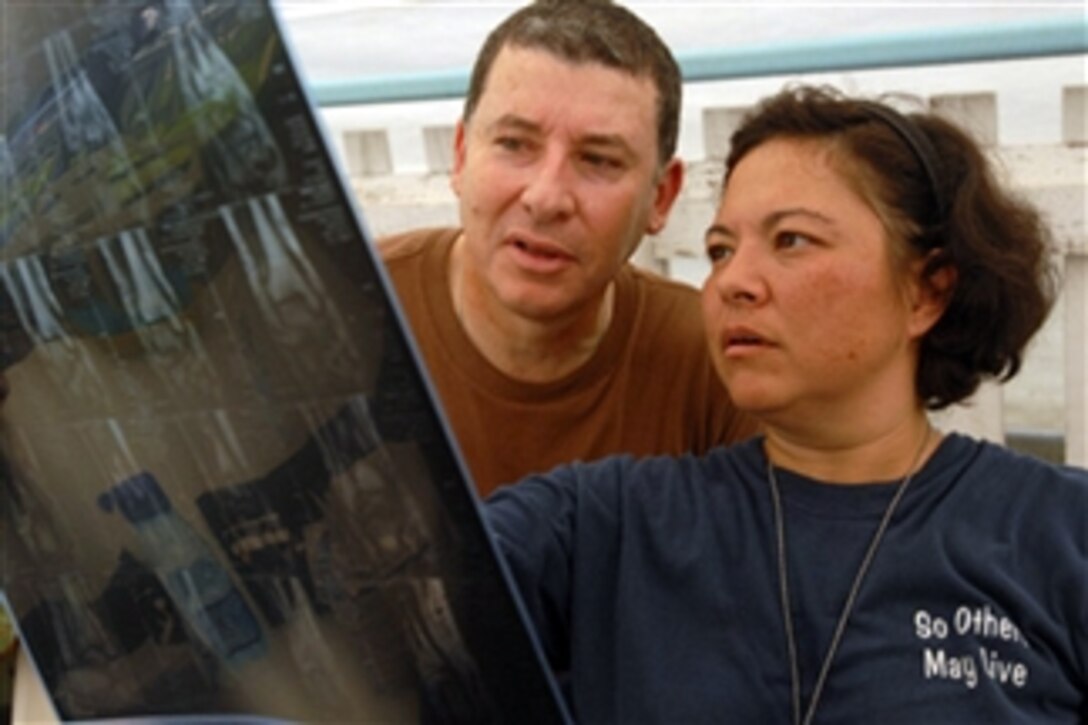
x,y
511,121
608,140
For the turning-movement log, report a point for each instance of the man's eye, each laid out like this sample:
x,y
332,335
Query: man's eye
x,y
602,162
510,143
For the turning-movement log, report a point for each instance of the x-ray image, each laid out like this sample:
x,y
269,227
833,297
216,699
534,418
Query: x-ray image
x,y
67,361
226,490
241,152
15,212
92,142
155,313
282,280
295,306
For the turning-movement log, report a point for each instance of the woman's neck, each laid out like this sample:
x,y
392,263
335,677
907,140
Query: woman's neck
x,y
884,454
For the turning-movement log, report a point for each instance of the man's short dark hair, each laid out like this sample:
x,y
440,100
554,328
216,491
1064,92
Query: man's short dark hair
x,y
589,31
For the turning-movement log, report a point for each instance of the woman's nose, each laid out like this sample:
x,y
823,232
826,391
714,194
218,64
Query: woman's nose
x,y
740,279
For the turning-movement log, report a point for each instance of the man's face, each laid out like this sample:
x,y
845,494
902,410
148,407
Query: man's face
x,y
558,176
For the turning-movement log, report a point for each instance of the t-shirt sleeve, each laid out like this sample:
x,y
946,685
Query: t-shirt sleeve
x,y
534,523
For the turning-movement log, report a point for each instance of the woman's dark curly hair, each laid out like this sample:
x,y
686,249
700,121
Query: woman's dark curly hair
x,y
955,215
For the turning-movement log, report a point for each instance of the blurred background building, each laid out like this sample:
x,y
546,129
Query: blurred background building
x,y
388,78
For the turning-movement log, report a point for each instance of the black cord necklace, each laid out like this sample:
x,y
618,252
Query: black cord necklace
x,y
851,597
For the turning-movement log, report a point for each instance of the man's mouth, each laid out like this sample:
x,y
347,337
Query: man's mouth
x,y
540,256
538,250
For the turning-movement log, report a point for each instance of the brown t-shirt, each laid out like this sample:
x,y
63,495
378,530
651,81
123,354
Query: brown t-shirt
x,y
648,389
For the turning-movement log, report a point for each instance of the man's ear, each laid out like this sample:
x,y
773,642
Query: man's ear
x,y
930,293
669,181
458,157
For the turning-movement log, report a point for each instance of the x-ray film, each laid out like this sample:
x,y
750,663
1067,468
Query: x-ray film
x,y
226,488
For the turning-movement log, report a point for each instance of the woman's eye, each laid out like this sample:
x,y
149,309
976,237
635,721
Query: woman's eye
x,y
791,240
718,252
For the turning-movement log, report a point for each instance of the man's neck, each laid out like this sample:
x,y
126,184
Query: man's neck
x,y
527,349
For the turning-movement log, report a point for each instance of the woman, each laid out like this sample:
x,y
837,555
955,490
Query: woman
x,y
853,564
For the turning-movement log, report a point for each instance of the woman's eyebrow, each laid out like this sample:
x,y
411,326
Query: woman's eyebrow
x,y
773,219
782,214
717,230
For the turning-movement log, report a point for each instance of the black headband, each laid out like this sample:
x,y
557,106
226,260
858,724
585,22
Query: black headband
x,y
919,143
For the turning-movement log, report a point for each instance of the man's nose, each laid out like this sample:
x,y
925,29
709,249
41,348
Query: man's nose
x,y
549,192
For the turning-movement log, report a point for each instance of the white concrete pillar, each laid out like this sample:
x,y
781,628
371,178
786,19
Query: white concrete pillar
x,y
1076,359
719,123
367,153
1075,115
981,416
438,148
1075,133
977,112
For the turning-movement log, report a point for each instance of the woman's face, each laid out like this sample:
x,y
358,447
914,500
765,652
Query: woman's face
x,y
805,311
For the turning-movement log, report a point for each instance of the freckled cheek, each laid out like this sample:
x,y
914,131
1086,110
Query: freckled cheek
x,y
829,312
828,347
852,350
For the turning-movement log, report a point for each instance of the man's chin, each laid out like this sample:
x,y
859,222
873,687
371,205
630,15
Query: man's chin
x,y
540,302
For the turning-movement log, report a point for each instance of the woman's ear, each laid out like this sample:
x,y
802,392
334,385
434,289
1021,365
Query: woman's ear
x,y
931,291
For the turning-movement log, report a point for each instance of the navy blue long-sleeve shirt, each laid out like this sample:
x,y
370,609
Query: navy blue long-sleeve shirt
x,y
654,584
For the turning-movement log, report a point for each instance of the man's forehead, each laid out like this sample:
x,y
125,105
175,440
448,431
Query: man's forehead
x,y
541,58
524,77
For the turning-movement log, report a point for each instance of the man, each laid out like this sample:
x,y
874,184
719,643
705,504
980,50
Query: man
x,y
544,343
